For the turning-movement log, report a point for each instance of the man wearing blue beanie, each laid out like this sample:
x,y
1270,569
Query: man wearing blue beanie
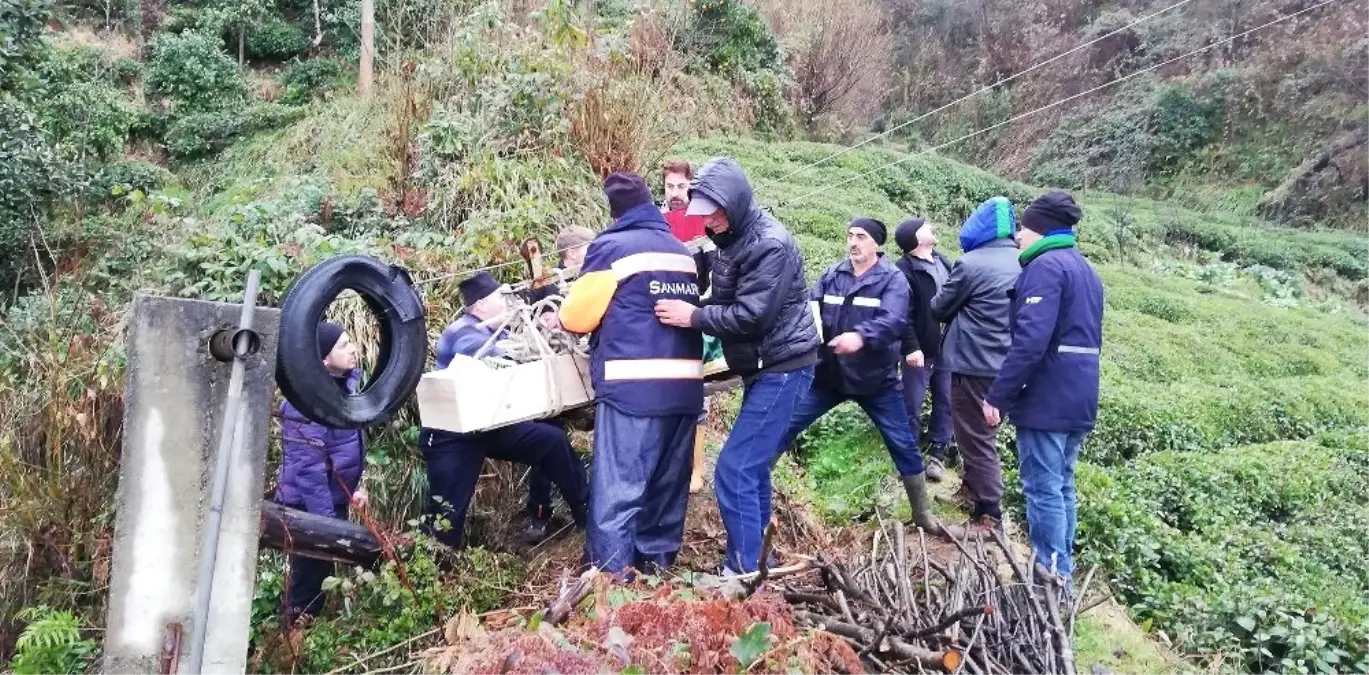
x,y
974,305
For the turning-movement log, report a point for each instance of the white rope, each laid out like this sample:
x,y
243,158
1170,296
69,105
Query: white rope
x,y
1048,106
488,268
971,95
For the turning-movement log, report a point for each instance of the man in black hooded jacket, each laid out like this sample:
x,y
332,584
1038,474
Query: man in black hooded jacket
x,y
759,312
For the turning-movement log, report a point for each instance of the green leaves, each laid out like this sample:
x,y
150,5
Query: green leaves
x,y
751,644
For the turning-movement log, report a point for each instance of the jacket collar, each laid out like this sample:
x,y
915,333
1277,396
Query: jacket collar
x,y
643,217
876,272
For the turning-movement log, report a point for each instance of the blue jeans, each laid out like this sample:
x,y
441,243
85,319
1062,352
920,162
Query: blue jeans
x,y
917,382
742,478
885,410
1047,469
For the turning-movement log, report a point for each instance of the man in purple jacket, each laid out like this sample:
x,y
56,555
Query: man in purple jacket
x,y
320,470
1048,384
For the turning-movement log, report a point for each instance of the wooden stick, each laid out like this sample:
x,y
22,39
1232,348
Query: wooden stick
x,y
565,604
945,661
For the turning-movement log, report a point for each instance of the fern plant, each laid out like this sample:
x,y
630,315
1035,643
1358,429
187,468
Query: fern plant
x,y
51,643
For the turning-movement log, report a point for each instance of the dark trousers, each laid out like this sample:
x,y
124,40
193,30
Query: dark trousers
x,y
978,444
539,486
885,409
917,383
455,461
640,472
304,594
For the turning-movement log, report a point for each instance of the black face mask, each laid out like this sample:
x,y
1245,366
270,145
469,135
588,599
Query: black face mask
x,y
723,239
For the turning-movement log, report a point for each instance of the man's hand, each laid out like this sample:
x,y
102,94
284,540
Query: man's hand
x,y
360,499
915,360
991,416
677,313
549,320
847,343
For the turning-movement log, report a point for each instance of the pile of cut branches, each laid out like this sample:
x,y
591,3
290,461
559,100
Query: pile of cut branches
x,y
905,612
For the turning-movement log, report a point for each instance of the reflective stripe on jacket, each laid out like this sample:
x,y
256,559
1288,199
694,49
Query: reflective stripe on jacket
x,y
638,365
874,305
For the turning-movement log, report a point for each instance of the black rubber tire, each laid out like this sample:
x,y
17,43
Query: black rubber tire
x,y
389,292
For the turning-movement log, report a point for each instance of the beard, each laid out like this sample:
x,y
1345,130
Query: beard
x,y
675,204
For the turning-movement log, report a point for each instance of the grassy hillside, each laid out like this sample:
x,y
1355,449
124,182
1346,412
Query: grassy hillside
x,y
1234,357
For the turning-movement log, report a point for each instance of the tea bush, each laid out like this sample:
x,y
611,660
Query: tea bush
x,y
1256,551
304,79
192,71
204,133
275,40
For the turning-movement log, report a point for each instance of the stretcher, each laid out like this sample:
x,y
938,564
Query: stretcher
x,y
542,371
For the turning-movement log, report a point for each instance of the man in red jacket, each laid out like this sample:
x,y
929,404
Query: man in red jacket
x,y
676,174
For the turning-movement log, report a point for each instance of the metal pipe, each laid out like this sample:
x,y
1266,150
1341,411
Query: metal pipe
x,y
228,444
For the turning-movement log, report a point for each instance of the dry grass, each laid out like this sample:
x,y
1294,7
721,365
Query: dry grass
x,y
61,412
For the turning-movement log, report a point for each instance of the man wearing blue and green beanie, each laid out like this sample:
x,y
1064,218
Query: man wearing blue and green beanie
x,y
975,307
1048,384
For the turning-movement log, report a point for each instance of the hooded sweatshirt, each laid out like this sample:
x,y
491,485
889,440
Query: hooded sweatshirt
x,y
759,303
974,302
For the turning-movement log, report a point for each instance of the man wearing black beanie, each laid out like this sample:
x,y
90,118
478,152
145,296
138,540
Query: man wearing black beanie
x,y
863,305
1048,384
926,270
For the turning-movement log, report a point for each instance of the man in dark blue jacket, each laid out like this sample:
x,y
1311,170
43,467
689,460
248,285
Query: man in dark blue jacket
x,y
1048,384
648,382
320,469
863,304
454,460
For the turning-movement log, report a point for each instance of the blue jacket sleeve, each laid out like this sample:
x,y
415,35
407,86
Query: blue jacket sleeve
x,y
1038,304
891,316
306,448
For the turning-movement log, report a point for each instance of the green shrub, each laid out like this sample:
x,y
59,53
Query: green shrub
x,y
22,23
386,607
305,78
209,132
80,105
275,40
193,72
51,643
123,177
729,37
32,176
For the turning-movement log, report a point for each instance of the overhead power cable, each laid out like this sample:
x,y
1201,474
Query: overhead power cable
x,y
1053,104
973,94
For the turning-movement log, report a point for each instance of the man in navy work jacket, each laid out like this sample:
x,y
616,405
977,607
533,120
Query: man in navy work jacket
x,y
648,382
1048,385
455,460
863,303
759,311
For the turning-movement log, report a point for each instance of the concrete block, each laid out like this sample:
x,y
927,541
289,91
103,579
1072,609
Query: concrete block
x,y
174,398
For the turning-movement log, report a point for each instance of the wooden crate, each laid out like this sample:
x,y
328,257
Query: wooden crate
x,y
471,395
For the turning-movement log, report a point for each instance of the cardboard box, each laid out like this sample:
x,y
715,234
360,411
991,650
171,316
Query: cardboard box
x,y
471,395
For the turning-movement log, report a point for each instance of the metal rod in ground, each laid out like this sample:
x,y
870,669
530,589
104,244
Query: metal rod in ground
x,y
228,442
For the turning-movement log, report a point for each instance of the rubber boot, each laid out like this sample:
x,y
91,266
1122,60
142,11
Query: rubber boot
x,y
916,487
696,482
